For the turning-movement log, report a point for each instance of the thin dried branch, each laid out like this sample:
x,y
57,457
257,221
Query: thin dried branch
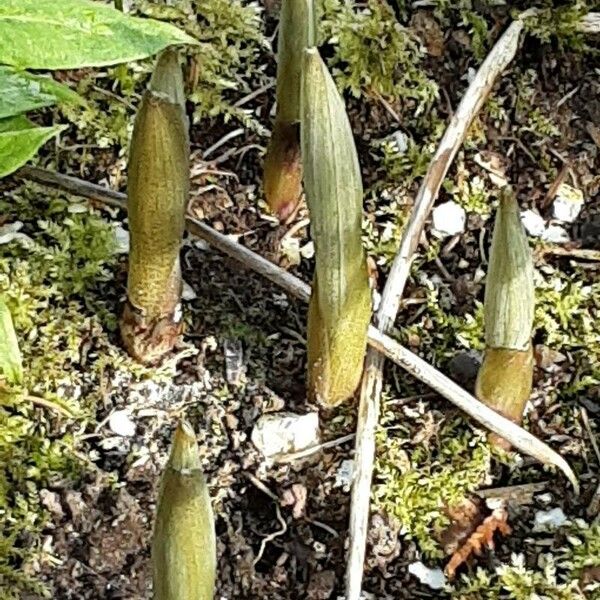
x,y
368,413
380,342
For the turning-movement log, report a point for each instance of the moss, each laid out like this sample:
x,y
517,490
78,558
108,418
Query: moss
x,y
470,191
566,317
560,576
373,54
227,59
415,481
559,23
56,287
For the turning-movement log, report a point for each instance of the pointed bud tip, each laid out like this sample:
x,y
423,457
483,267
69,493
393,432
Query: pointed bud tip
x,y
184,452
167,77
509,302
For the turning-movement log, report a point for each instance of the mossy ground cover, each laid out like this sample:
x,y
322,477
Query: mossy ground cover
x,y
67,484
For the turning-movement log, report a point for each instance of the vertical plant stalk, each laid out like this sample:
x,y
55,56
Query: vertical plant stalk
x,y
505,378
283,163
340,302
157,192
183,544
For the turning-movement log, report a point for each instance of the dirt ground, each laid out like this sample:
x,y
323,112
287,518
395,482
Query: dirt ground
x,y
282,528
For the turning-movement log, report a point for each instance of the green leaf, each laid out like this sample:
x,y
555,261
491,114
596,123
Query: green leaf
x,y
69,34
20,140
11,364
22,92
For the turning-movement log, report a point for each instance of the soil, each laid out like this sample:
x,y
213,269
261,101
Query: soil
x,y
294,547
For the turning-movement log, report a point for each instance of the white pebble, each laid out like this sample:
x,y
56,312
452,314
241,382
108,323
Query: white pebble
x,y
549,519
556,234
285,432
568,203
533,223
434,578
449,219
122,238
344,474
188,293
121,424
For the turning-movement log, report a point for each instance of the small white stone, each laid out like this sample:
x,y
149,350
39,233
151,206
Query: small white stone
x,y
344,475
121,424
187,292
568,203
533,223
449,219
122,238
308,250
556,234
400,141
285,432
10,233
434,578
77,209
549,519
290,248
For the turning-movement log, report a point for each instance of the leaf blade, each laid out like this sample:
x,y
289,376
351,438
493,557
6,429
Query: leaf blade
x,y
22,92
78,33
19,143
11,363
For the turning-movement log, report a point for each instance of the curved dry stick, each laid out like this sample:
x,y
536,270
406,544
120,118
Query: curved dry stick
x,y
423,371
403,357
368,413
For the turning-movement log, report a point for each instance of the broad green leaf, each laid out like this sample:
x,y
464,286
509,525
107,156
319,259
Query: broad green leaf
x,y
340,303
69,34
11,364
16,123
19,142
23,91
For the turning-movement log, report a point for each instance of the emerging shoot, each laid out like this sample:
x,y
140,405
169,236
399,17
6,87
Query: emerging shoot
x,y
340,302
183,544
283,163
505,378
157,194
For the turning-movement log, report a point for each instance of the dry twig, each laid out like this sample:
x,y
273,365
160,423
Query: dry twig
x,y
406,359
368,414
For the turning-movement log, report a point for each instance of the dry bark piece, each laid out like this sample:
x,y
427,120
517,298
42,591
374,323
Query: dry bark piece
x,y
482,537
465,517
340,304
157,192
283,162
183,543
